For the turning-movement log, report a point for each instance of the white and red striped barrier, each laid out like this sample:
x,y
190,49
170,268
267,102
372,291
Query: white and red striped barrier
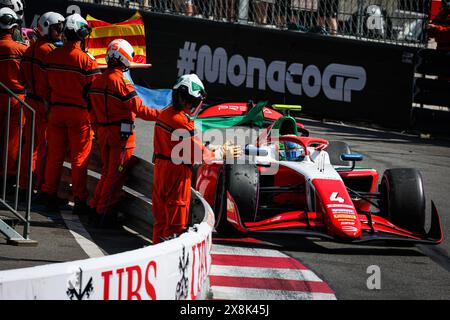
x,y
175,269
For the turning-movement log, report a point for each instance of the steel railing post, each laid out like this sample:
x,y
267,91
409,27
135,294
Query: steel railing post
x,y
26,231
6,147
12,236
19,158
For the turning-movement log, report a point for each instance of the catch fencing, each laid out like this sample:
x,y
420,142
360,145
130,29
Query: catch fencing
x,y
400,22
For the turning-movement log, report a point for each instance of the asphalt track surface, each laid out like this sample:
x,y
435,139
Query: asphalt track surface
x,y
417,272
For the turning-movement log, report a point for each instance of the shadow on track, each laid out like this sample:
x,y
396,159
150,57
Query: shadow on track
x,y
313,246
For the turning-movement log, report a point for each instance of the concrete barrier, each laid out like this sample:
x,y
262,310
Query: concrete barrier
x,y
175,269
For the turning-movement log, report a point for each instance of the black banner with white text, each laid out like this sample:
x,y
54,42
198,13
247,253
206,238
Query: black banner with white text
x,y
330,77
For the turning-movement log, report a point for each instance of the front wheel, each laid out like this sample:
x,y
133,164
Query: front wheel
x,y
403,199
221,225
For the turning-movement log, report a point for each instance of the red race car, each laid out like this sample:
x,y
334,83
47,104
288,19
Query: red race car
x,y
290,183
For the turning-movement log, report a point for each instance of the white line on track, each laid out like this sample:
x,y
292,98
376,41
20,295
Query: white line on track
x,y
223,249
270,273
233,293
82,237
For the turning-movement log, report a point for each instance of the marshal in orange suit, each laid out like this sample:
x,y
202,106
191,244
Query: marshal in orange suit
x,y
11,53
50,27
114,106
172,174
69,73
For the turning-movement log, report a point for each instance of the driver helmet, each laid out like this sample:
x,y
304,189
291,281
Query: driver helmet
x,y
290,151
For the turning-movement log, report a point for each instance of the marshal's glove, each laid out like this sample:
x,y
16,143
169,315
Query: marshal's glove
x,y
227,150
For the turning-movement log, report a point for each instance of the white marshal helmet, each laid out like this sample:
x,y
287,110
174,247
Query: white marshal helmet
x,y
48,19
8,19
78,24
192,85
16,5
120,50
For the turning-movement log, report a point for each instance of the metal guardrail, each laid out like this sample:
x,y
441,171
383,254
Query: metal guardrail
x,y
12,235
399,22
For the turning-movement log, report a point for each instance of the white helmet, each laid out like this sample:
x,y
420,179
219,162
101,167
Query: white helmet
x,y
8,19
16,5
48,19
78,24
121,50
190,84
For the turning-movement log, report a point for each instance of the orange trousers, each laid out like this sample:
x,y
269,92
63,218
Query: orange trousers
x,y
115,157
171,197
14,133
39,152
68,127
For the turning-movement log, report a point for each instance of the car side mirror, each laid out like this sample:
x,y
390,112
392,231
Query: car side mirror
x,y
352,157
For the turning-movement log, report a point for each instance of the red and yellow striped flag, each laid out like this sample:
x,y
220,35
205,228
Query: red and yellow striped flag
x,y
103,33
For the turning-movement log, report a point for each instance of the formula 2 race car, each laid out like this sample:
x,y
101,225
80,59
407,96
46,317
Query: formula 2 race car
x,y
290,183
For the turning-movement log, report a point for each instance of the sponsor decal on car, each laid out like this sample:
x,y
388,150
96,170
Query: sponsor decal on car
x,y
349,228
342,210
344,216
340,206
347,222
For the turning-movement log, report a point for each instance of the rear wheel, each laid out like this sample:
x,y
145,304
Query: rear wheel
x,y
402,198
335,149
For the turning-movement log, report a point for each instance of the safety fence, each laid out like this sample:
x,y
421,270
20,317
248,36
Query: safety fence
x,y
13,114
392,21
432,91
331,77
177,269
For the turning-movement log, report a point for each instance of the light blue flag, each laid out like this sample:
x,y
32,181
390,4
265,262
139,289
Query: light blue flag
x,y
154,98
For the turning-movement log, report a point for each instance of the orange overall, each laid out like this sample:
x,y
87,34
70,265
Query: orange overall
x,y
11,53
34,76
172,180
113,101
69,73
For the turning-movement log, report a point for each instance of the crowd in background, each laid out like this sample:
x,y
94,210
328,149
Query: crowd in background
x,y
400,21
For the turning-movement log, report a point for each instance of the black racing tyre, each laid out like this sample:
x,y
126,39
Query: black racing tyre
x,y
243,185
221,225
194,175
242,181
335,149
402,198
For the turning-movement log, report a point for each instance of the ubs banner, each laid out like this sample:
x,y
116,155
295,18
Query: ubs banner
x,y
329,77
